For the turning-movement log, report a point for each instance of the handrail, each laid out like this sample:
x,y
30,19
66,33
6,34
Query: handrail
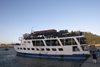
x,y
20,38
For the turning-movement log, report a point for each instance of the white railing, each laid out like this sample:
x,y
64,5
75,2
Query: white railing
x,y
20,38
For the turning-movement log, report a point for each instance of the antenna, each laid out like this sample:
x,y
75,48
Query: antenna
x,y
32,30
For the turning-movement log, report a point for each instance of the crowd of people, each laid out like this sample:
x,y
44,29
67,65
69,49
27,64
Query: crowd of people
x,y
51,34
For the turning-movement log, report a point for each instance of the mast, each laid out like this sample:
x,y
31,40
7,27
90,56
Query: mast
x,y
32,30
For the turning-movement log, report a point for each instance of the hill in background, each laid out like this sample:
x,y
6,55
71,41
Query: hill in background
x,y
92,38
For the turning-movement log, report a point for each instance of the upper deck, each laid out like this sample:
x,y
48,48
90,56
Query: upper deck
x,y
51,34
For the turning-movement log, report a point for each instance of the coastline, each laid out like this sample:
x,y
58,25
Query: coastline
x,y
6,47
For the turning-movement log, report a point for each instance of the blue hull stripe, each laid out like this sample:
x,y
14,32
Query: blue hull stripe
x,y
50,55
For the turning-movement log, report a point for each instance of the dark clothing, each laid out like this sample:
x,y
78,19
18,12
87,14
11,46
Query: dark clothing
x,y
94,56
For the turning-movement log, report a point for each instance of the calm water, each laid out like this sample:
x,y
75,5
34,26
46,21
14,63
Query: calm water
x,y
11,59
97,47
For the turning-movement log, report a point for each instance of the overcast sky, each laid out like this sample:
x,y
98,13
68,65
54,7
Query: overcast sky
x,y
18,16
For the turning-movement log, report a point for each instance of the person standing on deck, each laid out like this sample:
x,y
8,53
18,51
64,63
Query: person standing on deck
x,y
94,58
97,52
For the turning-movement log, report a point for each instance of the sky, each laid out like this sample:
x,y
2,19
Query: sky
x,y
19,16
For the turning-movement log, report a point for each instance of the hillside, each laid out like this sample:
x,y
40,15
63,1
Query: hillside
x,y
92,38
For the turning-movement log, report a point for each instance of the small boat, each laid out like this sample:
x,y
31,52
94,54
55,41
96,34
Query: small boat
x,y
6,49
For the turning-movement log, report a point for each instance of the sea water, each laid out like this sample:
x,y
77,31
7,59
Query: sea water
x,y
11,59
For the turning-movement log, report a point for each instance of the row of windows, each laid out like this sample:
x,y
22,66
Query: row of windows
x,y
42,49
69,41
75,48
52,43
38,43
27,42
64,42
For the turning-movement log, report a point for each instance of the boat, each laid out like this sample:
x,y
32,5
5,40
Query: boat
x,y
6,49
53,44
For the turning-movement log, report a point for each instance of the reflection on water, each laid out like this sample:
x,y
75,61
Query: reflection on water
x,y
11,59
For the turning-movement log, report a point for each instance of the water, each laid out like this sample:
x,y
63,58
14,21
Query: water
x,y
11,59
97,47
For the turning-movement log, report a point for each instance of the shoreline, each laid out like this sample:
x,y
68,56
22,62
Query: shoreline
x,y
6,47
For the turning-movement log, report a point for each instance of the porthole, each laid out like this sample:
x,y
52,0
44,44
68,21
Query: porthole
x,y
21,48
28,48
60,49
53,49
42,49
24,41
37,49
28,41
47,49
24,48
32,48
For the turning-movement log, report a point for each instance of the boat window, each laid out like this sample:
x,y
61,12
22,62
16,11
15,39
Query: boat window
x,y
73,42
84,48
42,49
38,43
32,48
82,40
65,41
48,42
69,41
75,48
21,48
24,48
29,42
62,41
37,49
53,49
52,43
42,43
60,49
28,48
33,43
47,49
55,43
17,48
24,41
